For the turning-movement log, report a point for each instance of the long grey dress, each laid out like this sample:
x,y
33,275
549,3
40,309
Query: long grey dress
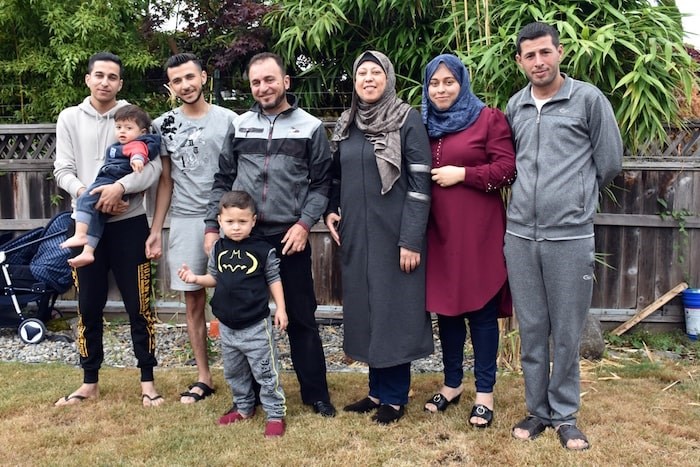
x,y
383,307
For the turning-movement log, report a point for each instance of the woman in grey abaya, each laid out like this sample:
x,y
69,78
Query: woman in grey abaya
x,y
378,215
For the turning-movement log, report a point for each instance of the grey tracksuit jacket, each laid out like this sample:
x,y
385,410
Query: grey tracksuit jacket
x,y
564,154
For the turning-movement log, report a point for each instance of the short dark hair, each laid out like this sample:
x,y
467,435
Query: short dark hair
x,y
535,31
104,57
264,56
237,199
135,113
181,59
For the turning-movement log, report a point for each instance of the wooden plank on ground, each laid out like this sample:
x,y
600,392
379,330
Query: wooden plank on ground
x,y
655,305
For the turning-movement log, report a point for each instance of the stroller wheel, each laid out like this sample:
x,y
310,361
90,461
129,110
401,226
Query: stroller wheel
x,y
32,331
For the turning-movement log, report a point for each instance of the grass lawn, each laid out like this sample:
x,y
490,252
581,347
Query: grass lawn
x,y
635,411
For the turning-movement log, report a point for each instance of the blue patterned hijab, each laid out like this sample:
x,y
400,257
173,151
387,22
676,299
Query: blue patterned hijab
x,y
465,109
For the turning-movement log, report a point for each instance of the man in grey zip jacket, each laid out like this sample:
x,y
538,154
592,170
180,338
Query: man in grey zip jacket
x,y
568,146
279,154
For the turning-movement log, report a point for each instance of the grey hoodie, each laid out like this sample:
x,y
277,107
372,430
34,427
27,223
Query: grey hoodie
x,y
82,138
564,154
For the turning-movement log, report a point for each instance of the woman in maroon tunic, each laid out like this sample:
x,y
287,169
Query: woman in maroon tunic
x,y
473,157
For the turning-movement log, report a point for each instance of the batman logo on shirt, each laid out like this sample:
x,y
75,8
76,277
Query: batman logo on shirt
x,y
233,261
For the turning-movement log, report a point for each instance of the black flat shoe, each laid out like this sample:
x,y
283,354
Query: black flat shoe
x,y
325,409
386,414
362,406
440,402
481,411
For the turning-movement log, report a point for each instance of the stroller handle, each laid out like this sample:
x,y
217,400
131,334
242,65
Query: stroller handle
x,y
38,240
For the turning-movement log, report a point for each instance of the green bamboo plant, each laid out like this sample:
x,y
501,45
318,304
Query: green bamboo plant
x,y
631,49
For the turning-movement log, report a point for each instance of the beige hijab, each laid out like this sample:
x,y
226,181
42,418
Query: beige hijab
x,y
380,121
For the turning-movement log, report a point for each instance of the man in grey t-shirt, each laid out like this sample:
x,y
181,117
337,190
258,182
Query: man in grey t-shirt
x,y
192,136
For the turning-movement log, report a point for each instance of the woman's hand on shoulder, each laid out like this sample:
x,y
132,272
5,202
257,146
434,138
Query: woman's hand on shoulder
x,y
448,175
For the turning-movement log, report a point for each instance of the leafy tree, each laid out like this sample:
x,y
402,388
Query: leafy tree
x,y
45,45
223,33
631,49
321,40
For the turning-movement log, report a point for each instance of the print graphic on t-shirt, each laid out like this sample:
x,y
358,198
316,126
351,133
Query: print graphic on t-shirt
x,y
233,261
184,143
188,152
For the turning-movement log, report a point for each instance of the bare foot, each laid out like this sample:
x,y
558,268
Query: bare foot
x,y
83,259
149,395
528,428
75,240
83,393
449,393
483,398
572,438
576,445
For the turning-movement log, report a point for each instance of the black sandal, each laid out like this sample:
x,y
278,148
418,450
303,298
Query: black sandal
x,y
206,391
481,411
569,432
532,425
440,402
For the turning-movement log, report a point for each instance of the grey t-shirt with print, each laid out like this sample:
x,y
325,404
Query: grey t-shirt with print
x,y
193,146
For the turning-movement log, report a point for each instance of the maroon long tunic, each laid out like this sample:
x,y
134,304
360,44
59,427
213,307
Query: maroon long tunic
x,y
465,263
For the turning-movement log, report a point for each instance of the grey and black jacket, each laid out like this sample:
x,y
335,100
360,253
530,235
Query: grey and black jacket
x,y
565,153
283,162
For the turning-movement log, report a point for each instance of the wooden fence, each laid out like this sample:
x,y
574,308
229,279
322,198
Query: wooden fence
x,y
645,254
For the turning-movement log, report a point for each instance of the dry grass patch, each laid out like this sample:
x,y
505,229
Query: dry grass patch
x,y
632,417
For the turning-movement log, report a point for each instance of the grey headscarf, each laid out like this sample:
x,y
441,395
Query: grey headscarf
x,y
380,121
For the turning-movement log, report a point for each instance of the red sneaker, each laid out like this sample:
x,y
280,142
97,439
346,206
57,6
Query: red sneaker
x,y
274,428
233,416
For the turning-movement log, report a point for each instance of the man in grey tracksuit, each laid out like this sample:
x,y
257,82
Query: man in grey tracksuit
x,y
568,146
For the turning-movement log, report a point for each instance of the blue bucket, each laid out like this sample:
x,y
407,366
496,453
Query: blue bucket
x,y
691,302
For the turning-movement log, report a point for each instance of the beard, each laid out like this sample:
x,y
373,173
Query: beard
x,y
193,99
275,103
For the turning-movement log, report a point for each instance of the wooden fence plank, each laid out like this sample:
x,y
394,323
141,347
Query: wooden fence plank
x,y
629,267
631,198
638,240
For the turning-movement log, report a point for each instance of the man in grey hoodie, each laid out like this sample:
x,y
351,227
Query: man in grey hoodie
x,y
568,146
83,133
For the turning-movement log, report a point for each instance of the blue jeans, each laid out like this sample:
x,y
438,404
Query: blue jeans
x,y
483,328
391,384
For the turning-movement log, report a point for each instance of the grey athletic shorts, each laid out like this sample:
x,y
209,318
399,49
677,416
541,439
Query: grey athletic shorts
x,y
186,245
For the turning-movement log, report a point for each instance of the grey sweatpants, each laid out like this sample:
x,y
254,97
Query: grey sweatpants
x,y
552,284
252,353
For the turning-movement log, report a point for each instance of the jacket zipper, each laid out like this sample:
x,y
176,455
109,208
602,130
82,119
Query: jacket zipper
x,y
537,172
266,165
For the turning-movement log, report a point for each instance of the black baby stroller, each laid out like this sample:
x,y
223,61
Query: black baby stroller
x,y
34,269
